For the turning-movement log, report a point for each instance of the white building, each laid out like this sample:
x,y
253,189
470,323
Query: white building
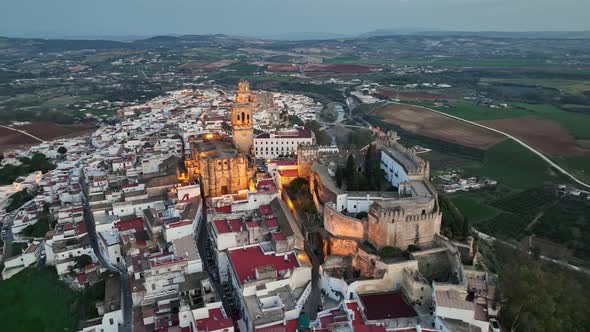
x,y
110,245
18,263
281,143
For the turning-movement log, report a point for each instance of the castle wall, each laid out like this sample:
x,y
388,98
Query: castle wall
x,y
341,247
340,225
403,231
365,263
417,290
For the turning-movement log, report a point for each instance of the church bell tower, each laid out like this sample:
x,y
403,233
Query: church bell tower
x,y
241,118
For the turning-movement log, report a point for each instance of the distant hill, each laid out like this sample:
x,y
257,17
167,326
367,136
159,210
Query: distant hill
x,y
484,34
301,36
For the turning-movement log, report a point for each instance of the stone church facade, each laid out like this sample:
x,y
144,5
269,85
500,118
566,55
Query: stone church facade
x,y
226,166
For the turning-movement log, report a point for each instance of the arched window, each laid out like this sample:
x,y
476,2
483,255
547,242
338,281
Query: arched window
x,y
248,118
243,116
238,117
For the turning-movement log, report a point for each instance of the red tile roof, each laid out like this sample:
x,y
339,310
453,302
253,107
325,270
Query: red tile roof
x,y
278,236
271,222
180,223
222,226
289,173
82,278
223,209
265,209
125,225
235,224
81,228
358,324
245,261
391,305
215,321
252,224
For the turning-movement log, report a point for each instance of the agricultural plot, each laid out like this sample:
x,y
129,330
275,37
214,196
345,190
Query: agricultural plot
x,y
476,210
493,63
539,211
427,123
474,112
548,136
568,224
514,166
575,87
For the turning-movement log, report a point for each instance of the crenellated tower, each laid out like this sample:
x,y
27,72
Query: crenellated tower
x,y
241,118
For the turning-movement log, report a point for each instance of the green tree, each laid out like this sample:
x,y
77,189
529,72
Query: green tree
x,y
350,169
339,176
389,252
82,261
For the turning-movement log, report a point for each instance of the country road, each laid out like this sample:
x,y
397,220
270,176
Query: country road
x,y
24,133
524,144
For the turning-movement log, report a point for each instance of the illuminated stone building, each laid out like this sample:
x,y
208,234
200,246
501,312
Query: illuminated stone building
x,y
225,166
409,216
241,118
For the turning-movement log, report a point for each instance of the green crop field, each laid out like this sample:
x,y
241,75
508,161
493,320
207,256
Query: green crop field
x,y
472,112
474,209
491,63
514,166
575,87
577,124
579,165
51,306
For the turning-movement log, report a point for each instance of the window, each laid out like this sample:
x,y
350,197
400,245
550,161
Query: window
x,y
111,321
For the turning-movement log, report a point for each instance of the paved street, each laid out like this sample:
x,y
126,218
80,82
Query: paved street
x,y
8,236
126,299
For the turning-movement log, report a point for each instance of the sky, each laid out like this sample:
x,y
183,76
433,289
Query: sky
x,y
63,18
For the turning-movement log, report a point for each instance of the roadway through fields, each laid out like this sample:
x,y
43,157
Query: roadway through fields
x,y
517,140
24,133
489,238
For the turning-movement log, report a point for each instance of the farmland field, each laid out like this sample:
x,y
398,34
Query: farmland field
x,y
577,124
492,63
575,87
514,166
548,136
473,112
427,123
472,207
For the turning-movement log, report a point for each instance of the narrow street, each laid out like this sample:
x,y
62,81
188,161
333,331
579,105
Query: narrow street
x,y
8,237
126,300
202,241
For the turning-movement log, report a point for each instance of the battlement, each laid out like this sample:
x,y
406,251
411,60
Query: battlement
x,y
391,216
405,157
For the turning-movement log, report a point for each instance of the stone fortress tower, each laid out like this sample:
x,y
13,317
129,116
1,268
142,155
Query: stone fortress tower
x,y
241,118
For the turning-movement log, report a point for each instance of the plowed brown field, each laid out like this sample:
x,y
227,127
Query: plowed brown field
x,y
546,135
427,123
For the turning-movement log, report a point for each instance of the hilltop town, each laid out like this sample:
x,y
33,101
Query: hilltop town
x,y
210,210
